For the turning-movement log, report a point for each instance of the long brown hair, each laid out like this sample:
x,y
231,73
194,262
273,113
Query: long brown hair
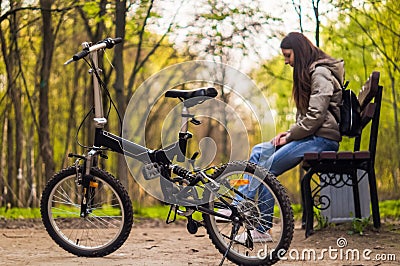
x,y
305,53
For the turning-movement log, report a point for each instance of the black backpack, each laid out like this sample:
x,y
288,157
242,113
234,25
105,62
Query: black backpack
x,y
350,113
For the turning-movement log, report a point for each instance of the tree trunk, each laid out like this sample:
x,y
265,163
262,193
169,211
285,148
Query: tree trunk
x,y
30,173
15,92
14,121
397,132
315,4
2,159
120,22
46,150
11,173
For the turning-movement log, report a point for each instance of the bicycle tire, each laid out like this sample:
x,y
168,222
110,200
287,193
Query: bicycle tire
x,y
283,222
103,230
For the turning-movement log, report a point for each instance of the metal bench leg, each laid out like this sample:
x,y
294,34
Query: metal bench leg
x,y
308,202
303,207
356,195
374,199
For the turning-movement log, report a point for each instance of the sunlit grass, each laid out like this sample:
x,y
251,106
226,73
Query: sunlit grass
x,y
159,212
19,213
388,209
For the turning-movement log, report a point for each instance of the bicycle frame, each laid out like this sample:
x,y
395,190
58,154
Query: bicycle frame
x,y
128,148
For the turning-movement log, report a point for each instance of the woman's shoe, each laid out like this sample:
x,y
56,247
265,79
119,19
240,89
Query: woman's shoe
x,y
257,237
226,212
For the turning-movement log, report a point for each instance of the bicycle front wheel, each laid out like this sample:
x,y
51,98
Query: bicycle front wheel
x,y
109,215
261,228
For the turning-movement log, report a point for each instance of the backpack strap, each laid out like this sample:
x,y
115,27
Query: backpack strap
x,y
330,108
344,87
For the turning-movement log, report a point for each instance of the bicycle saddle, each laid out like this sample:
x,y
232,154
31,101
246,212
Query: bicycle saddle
x,y
187,94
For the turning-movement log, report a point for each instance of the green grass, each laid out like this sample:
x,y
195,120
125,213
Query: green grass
x,y
20,213
159,212
155,212
297,211
388,209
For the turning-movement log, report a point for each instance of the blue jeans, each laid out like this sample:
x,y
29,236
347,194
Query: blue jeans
x,y
278,160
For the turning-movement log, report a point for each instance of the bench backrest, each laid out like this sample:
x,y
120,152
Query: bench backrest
x,y
370,111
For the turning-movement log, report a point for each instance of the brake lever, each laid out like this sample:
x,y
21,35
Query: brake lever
x,y
68,61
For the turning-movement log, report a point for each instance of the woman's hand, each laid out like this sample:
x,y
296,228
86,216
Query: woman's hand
x,y
280,139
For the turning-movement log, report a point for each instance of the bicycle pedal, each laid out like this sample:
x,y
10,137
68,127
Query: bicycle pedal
x,y
192,227
151,171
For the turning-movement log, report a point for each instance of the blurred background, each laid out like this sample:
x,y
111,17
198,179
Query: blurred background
x,y
42,102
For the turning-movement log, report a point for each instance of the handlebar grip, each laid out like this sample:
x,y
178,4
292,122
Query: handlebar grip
x,y
111,42
80,55
106,43
117,40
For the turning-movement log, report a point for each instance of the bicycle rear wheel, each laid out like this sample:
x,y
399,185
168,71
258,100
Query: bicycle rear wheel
x,y
107,224
262,229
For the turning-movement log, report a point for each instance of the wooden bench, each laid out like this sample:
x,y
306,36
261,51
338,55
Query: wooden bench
x,y
332,168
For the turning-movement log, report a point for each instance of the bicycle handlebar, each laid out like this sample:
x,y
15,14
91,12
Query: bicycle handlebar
x,y
107,43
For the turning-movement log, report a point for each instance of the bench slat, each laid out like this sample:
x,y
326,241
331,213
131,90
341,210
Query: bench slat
x,y
369,90
331,155
311,156
367,114
345,155
362,155
328,155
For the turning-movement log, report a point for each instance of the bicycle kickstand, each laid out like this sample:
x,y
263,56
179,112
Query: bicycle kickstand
x,y
235,229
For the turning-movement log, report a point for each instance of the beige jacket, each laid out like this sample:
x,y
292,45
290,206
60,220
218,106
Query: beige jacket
x,y
325,91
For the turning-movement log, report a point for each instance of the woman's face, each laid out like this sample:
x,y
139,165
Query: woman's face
x,y
289,56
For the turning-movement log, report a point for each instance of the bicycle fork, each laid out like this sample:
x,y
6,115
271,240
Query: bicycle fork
x,y
85,179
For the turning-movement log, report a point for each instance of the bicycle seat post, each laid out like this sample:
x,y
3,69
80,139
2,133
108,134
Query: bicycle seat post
x,y
185,119
184,135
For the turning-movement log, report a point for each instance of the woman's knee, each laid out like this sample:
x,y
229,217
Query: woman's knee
x,y
265,149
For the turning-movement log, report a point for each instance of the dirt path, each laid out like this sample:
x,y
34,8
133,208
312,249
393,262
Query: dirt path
x,y
154,243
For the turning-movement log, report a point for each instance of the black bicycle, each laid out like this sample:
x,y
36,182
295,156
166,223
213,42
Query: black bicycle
x,y
88,212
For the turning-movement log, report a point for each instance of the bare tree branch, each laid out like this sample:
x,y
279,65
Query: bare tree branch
x,y
297,8
139,50
33,8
